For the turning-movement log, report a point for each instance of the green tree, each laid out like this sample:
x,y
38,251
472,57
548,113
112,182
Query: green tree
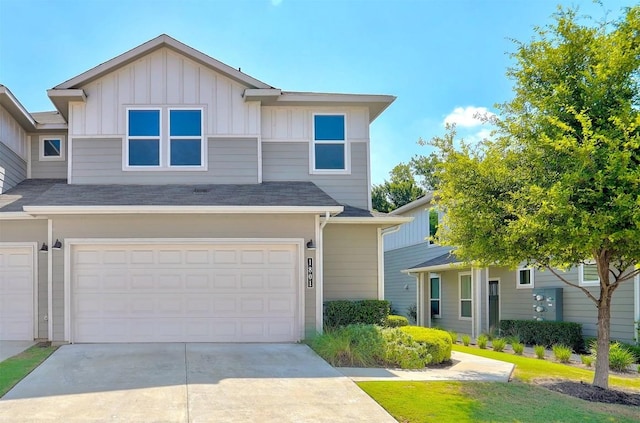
x,y
401,189
426,168
559,185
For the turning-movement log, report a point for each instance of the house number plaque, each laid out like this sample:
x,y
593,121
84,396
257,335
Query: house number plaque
x,y
309,273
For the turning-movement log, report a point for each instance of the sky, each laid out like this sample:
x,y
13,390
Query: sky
x,y
444,60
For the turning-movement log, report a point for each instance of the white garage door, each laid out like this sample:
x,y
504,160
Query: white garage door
x,y
16,293
184,293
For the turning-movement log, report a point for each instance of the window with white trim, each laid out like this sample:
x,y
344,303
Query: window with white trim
x,y
52,148
524,278
166,139
435,295
434,221
588,273
465,296
329,150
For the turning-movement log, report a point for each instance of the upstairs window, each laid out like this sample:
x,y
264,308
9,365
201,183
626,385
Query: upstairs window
x,y
433,225
588,273
51,148
164,139
329,143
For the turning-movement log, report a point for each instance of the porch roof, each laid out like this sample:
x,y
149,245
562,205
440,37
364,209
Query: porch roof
x,y
443,261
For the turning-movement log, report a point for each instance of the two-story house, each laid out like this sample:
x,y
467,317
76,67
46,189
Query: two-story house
x,y
449,294
171,197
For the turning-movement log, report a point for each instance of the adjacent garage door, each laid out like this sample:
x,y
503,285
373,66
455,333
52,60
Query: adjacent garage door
x,y
16,293
184,293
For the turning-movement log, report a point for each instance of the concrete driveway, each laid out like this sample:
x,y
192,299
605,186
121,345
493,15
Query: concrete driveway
x,y
188,383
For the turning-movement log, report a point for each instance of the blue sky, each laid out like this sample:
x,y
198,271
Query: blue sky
x,y
442,59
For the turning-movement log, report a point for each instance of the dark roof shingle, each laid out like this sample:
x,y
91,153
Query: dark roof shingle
x,y
447,258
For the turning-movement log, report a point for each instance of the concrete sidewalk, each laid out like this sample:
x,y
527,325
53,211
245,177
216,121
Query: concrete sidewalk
x,y
466,367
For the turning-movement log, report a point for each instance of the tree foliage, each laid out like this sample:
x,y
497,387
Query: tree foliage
x,y
559,184
401,189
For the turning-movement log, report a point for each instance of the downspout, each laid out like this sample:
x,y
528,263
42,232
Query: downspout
x,y
50,280
381,234
320,273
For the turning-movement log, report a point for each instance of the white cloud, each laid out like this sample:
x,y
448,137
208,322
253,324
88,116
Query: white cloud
x,y
467,117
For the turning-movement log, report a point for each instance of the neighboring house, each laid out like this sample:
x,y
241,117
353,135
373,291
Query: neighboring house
x,y
469,300
171,197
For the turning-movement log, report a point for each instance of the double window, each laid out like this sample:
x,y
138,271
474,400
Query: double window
x,y
465,295
164,138
435,295
329,149
51,148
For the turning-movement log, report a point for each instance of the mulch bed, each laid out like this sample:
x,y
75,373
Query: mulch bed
x,y
592,393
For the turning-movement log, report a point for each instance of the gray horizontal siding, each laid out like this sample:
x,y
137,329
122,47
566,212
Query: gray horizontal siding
x,y
400,288
289,161
46,169
13,169
99,161
449,310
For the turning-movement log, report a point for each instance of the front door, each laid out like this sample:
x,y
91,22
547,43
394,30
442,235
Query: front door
x,y
494,305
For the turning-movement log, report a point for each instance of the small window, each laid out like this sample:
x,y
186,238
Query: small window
x,y
588,273
524,278
143,136
185,137
433,225
435,295
465,294
51,148
329,143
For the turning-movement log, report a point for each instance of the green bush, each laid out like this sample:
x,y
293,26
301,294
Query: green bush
x,y
539,350
343,313
352,345
587,360
620,357
394,321
437,342
482,341
634,349
545,333
466,340
518,348
512,339
401,350
498,344
562,353
454,336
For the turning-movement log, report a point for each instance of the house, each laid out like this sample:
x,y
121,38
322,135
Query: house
x,y
170,197
454,296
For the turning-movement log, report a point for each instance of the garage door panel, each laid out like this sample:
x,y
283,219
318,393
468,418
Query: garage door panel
x,y
17,293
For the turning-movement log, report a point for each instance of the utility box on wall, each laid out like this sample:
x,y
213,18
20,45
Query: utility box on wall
x,y
547,304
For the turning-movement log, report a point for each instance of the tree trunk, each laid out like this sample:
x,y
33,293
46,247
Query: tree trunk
x,y
601,376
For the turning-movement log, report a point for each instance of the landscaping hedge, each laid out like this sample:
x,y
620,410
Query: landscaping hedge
x,y
545,333
343,312
438,342
394,321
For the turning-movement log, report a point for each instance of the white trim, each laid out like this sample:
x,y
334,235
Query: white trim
x,y
460,275
636,307
41,141
390,220
489,279
50,280
259,153
16,216
318,274
127,138
581,280
299,243
420,300
439,277
369,201
203,144
346,146
440,267
29,158
33,246
531,283
53,210
477,315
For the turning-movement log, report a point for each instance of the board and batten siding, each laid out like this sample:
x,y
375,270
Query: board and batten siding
x,y
12,135
53,169
178,226
164,77
289,161
412,233
99,161
13,169
32,231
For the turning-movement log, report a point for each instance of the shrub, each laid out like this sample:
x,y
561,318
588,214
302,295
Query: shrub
x,y
518,348
562,353
620,358
466,340
545,333
634,349
482,341
587,360
498,344
343,313
394,321
401,350
353,345
454,336
412,312
539,350
437,342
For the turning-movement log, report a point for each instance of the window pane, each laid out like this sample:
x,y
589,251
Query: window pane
x,y
435,307
144,123
465,308
433,223
52,148
465,286
186,153
590,273
144,153
329,127
329,156
185,123
435,288
525,277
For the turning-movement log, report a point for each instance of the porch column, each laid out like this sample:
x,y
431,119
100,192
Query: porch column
x,y
419,299
479,282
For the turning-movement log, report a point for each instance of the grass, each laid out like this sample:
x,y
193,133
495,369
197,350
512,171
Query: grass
x,y
14,369
418,402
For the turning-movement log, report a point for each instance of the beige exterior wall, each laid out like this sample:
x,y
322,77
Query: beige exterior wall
x,y
449,304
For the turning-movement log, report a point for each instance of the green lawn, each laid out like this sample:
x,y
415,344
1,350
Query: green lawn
x,y
14,369
518,401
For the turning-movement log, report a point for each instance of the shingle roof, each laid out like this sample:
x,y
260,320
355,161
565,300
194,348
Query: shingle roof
x,y
39,192
350,211
447,258
48,117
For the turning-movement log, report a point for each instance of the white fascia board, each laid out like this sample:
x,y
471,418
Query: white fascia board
x,y
382,220
48,127
61,98
440,267
426,199
16,109
57,210
261,94
16,216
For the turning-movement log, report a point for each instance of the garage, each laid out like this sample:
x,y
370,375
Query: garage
x,y
17,279
184,291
